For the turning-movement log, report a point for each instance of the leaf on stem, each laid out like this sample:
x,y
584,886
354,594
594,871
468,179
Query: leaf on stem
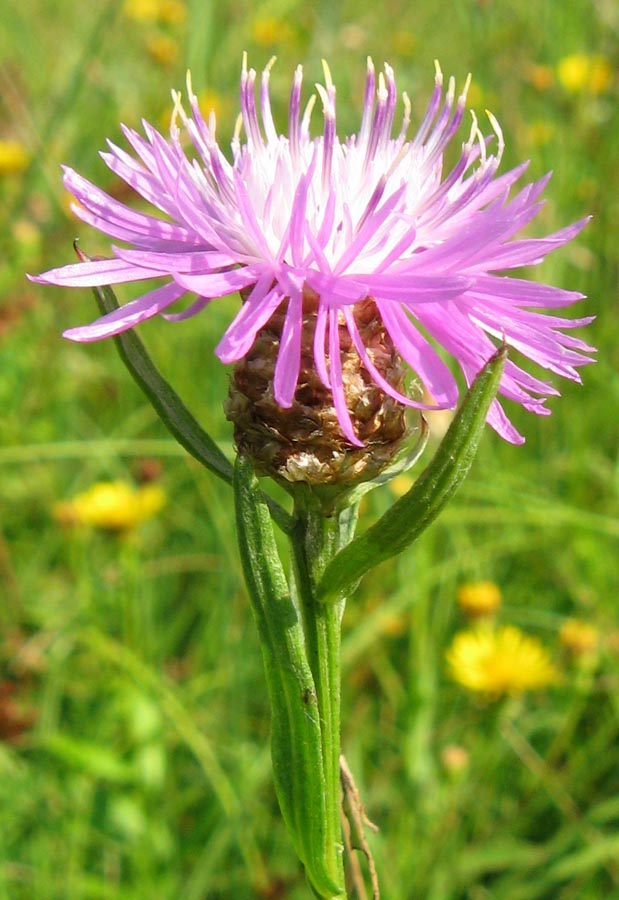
x,y
169,406
412,514
296,747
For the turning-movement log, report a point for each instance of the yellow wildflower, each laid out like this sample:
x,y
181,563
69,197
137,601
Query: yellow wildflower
x,y
479,598
498,661
171,11
578,637
583,73
209,101
14,157
112,506
162,49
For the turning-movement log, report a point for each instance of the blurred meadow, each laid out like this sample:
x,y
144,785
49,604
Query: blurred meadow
x,y
134,728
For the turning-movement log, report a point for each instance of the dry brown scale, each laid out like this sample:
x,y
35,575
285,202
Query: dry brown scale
x,y
305,443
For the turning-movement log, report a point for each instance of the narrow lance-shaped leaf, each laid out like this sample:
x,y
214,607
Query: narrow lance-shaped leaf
x,y
296,747
169,406
412,514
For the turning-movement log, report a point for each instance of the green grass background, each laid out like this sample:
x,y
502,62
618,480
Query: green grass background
x,y
143,771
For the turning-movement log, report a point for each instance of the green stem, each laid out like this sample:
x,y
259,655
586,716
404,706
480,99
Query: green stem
x,y
315,540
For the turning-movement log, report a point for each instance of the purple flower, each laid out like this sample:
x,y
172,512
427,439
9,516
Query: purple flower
x,y
372,216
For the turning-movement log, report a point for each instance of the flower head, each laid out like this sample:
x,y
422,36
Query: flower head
x,y
582,73
112,506
578,637
14,157
479,598
374,218
500,661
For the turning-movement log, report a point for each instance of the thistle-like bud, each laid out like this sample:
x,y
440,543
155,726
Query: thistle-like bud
x,y
305,443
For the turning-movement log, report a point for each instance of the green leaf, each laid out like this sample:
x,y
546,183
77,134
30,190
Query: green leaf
x,y
169,406
296,748
412,514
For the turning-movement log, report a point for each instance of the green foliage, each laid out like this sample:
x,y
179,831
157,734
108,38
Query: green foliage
x,y
134,733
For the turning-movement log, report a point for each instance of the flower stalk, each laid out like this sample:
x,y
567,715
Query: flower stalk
x,y
300,646
314,541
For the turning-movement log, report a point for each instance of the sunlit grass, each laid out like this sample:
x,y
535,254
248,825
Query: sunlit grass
x,y
134,758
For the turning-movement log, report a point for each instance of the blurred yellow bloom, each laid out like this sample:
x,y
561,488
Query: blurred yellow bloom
x,y
541,77
455,758
579,637
479,598
584,73
112,506
438,420
401,484
171,11
14,157
209,101
26,234
269,31
498,661
162,49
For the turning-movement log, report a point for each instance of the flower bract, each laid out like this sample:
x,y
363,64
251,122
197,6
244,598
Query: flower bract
x,y
374,216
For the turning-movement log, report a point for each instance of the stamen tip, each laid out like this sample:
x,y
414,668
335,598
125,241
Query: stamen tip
x,y
465,89
188,82
327,74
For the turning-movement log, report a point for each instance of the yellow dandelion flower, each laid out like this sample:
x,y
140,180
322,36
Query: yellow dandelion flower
x,y
210,101
479,598
141,10
173,12
162,49
112,506
498,661
583,73
578,637
14,157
